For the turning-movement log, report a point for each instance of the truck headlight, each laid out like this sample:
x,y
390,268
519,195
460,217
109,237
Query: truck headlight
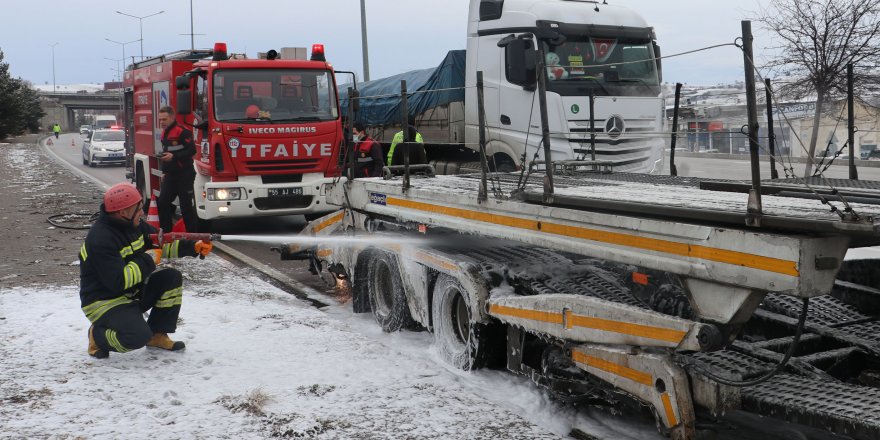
x,y
221,194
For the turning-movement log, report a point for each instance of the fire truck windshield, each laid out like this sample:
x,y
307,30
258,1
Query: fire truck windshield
x,y
274,95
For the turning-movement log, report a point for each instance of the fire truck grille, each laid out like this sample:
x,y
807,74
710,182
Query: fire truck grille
x,y
291,202
283,166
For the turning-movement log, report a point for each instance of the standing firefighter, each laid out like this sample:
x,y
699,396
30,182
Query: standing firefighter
x,y
368,153
178,173
416,146
119,280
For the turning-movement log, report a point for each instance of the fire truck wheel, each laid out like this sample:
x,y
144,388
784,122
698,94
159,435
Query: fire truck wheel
x,y
205,225
385,290
462,342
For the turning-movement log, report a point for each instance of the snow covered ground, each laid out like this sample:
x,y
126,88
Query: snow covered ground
x,y
259,364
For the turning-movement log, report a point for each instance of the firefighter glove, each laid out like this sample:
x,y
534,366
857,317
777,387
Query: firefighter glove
x,y
204,248
156,254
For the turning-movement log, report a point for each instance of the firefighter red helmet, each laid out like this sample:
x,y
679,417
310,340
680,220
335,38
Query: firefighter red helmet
x,y
252,112
121,196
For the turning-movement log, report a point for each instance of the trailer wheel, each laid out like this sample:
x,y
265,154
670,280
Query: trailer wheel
x,y
385,289
461,341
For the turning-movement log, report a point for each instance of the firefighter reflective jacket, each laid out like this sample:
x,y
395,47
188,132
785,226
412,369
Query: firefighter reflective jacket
x,y
368,158
416,152
113,263
179,142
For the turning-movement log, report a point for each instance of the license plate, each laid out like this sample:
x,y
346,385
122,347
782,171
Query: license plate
x,y
116,155
285,192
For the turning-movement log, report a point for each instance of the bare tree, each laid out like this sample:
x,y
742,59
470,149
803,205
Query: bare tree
x,y
818,39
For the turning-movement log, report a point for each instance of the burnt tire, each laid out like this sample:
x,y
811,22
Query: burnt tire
x,y
460,340
386,294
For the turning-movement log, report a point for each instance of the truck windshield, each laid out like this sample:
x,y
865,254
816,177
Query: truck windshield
x,y
604,66
274,95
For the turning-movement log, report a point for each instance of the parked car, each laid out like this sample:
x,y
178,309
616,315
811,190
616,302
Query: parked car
x,y
85,129
874,155
104,146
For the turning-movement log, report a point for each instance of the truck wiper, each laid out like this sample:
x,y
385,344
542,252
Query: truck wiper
x,y
299,119
594,79
247,121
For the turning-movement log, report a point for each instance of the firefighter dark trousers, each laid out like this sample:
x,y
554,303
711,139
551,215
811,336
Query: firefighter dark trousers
x,y
122,328
181,187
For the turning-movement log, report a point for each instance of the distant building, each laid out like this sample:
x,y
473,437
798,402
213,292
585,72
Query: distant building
x,y
714,119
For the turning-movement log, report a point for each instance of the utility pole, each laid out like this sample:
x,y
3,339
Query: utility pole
x,y
364,40
192,32
54,87
141,20
118,68
123,49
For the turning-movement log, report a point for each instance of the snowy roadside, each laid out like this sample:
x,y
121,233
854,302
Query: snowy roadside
x,y
326,374
259,364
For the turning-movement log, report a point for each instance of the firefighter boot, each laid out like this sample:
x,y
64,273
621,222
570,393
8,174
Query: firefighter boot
x,y
94,350
161,340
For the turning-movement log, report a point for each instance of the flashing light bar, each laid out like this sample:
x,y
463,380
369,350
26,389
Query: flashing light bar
x,y
318,53
220,52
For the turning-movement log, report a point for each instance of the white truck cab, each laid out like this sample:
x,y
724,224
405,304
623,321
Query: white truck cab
x,y
590,48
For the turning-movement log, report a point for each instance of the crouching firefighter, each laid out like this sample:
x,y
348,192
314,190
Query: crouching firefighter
x,y
119,281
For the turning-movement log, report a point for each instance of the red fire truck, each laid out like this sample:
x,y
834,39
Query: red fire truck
x,y
268,130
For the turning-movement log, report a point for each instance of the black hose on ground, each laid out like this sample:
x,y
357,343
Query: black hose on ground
x,y
59,220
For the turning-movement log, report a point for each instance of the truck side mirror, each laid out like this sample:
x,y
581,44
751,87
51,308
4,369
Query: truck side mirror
x,y
657,57
353,96
182,82
521,63
184,102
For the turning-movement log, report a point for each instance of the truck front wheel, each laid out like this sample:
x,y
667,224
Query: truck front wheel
x,y
385,289
462,342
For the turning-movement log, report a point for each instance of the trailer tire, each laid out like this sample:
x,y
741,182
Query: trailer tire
x,y
386,294
461,341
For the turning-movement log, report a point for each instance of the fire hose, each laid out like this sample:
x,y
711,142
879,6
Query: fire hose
x,y
161,238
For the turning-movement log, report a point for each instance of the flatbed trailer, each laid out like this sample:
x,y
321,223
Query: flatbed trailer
x,y
624,287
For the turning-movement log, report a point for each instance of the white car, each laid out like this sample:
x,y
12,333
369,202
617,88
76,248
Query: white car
x,y
104,147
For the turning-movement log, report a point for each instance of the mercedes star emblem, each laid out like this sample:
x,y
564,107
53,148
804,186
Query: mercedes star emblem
x,y
614,126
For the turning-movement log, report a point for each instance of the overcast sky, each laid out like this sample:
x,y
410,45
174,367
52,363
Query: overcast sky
x,y
403,34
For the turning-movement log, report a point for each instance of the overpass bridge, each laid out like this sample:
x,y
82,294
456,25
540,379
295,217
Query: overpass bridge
x,y
63,107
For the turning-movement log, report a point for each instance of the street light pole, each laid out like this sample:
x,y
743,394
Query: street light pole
x,y
118,69
123,49
364,40
141,20
54,87
192,32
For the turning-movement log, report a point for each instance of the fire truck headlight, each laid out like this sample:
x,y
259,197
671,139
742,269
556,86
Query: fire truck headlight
x,y
220,194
